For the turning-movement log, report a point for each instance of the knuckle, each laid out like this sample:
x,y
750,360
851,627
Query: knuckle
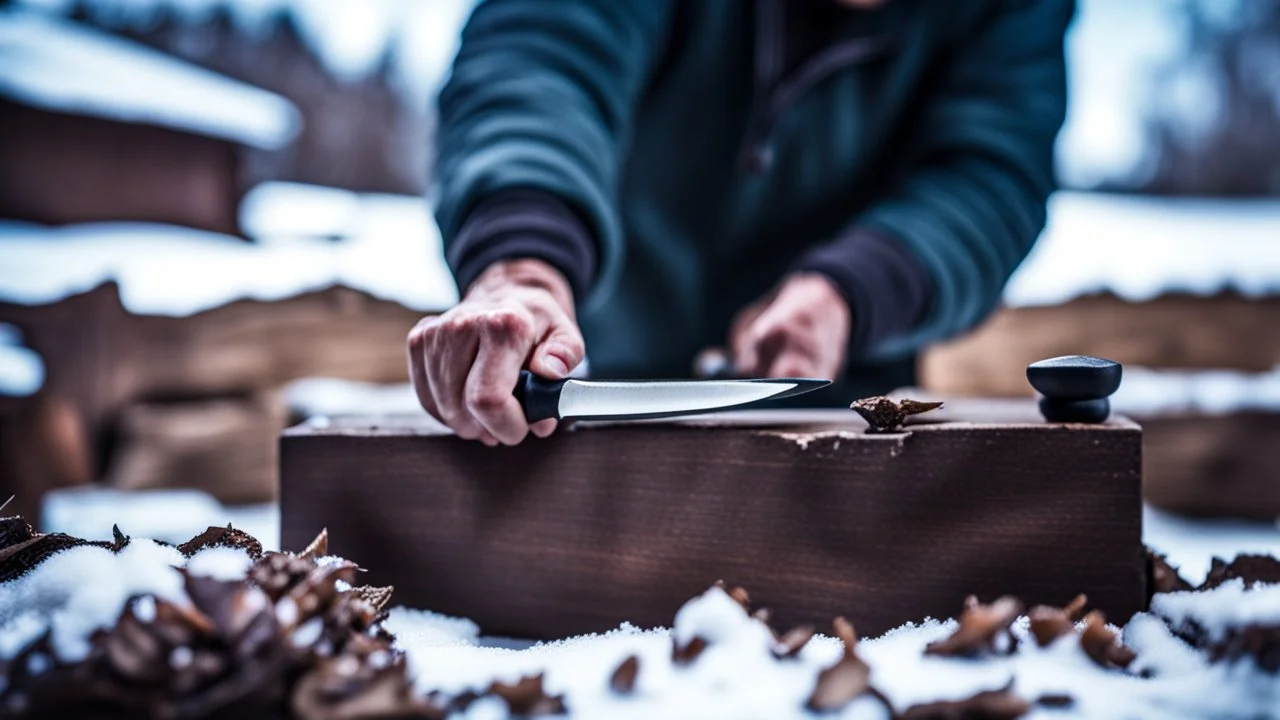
x,y
486,401
508,324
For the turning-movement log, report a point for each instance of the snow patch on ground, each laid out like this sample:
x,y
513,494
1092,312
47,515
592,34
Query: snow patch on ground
x,y
1146,392
1141,247
393,252
736,676
21,368
220,563
174,516
1191,543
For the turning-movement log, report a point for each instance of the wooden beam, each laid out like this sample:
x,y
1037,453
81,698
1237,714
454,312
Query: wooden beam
x,y
100,358
1173,331
225,446
1213,465
612,523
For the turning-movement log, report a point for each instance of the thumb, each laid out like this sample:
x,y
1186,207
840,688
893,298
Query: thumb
x,y
559,353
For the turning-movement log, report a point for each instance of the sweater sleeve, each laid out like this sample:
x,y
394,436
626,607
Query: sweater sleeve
x,y
540,101
978,171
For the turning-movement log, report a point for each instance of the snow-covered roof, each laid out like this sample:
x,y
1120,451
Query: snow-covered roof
x,y
393,252
1140,247
21,368
349,38
63,66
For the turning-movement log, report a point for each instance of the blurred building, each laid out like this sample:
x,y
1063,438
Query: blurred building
x,y
96,128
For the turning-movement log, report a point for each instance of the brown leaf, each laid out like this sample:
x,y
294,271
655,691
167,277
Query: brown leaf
x,y
19,559
683,655
740,596
915,407
839,684
790,645
1252,569
980,626
1101,645
623,680
1050,623
528,698
990,705
222,537
318,547
14,530
378,597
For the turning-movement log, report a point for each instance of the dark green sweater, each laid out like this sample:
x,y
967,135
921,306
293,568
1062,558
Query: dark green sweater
x,y
676,158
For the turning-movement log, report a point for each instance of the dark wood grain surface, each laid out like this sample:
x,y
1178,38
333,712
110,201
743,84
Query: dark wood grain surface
x,y
624,522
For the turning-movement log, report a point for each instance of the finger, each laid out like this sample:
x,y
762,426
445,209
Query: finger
x,y
451,353
504,345
543,428
415,346
559,352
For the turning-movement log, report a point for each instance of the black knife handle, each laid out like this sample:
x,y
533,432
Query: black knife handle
x,y
539,397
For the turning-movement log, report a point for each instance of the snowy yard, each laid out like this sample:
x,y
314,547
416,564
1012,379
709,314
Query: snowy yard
x,y
725,663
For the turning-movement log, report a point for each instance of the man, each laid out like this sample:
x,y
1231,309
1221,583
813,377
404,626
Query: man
x,y
825,186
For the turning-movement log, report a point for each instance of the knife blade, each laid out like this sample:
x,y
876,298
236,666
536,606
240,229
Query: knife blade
x,y
643,399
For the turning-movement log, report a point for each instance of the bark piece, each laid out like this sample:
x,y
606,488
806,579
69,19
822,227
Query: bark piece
x,y
884,415
981,628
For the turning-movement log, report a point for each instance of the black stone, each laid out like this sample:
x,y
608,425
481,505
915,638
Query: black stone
x,y
1075,377
1075,411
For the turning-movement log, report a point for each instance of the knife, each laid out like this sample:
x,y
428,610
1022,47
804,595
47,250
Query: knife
x,y
641,399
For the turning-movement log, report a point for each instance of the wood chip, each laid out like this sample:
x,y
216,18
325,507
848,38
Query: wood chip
x,y
790,644
980,627
527,698
1102,645
623,680
318,547
1050,623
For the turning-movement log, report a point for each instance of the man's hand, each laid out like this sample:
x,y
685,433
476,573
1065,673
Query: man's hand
x,y
465,363
801,329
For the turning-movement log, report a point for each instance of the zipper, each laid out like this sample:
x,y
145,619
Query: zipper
x,y
775,94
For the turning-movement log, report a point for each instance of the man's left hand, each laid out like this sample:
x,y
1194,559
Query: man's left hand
x,y
801,329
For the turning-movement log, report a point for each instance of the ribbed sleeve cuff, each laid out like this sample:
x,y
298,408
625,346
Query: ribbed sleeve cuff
x,y
888,290
524,223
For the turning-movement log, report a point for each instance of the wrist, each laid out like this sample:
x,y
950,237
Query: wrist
x,y
527,274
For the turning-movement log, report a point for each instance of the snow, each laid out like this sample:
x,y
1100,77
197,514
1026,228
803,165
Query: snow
x,y
174,516
1191,544
66,67
1217,612
220,563
1113,50
288,209
351,39
83,589
21,368
1141,247
326,397
393,253
1146,392
737,677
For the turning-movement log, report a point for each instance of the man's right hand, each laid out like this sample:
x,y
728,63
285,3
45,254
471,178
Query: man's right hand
x,y
464,364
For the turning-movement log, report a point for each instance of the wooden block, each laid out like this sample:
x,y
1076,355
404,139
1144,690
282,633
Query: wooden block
x,y
624,522
1213,465
1172,331
225,447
